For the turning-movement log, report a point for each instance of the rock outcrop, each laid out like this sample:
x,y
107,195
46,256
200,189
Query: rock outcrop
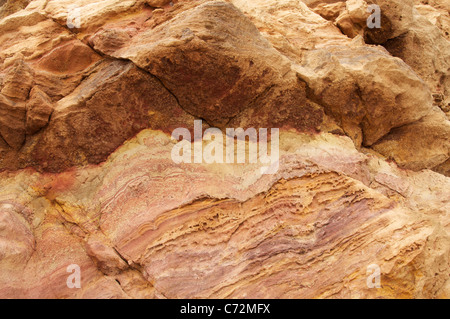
x,y
90,93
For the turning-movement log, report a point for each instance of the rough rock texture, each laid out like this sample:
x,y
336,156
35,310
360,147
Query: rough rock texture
x,y
39,109
90,93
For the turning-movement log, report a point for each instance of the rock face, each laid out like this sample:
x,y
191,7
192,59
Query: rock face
x,y
91,92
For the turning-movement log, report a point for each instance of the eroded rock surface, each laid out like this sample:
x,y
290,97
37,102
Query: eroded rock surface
x,y
91,92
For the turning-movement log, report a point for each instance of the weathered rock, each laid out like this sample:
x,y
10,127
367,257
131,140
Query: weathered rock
x,y
112,105
110,40
440,17
18,81
432,62
444,168
213,47
423,144
157,3
277,229
16,240
91,92
69,58
416,40
330,11
290,26
8,7
39,109
105,257
399,14
37,36
12,122
90,15
348,104
353,20
374,94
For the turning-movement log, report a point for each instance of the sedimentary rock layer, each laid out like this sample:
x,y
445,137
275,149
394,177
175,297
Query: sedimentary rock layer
x,y
90,93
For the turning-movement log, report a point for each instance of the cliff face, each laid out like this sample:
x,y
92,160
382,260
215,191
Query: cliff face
x,y
90,93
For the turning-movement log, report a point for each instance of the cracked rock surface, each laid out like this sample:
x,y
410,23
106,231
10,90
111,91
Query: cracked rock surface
x,y
87,109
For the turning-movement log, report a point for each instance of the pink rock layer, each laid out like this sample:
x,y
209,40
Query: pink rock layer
x,y
87,179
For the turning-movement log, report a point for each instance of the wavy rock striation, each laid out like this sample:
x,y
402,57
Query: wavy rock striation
x,y
89,96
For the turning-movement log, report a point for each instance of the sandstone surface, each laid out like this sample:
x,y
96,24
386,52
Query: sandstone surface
x,y
91,92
